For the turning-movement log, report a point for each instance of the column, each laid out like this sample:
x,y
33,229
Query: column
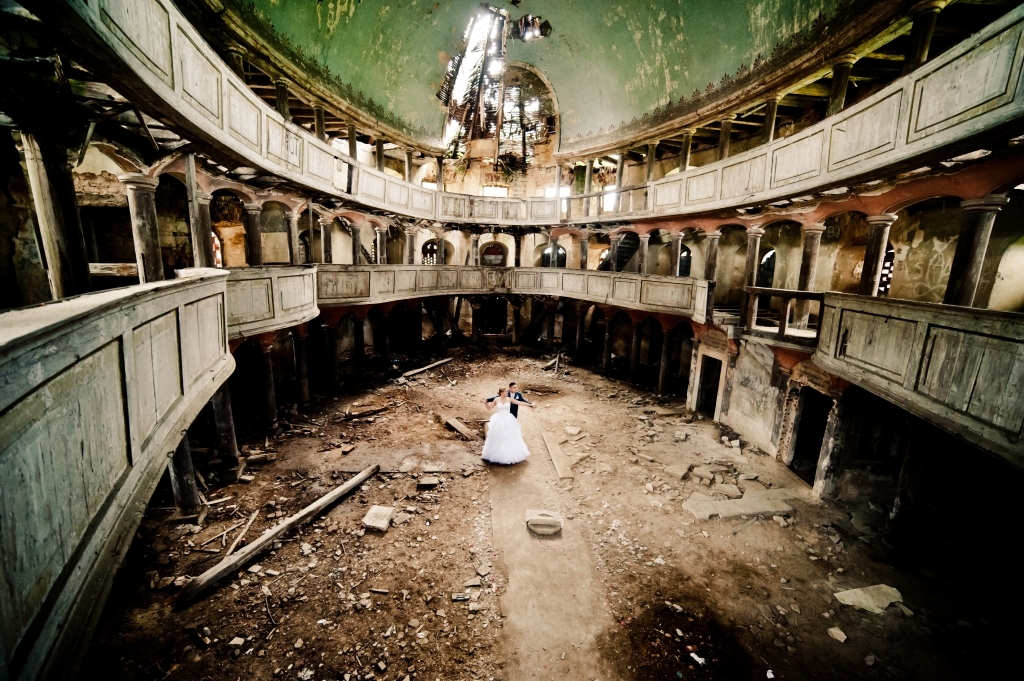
x,y
519,249
378,154
145,226
266,342
754,234
684,151
224,422
584,248
293,239
808,270
711,267
353,148
606,352
652,157
183,479
552,306
558,193
441,253
925,15
474,249
410,246
613,252
553,245
319,129
725,136
357,247
414,308
382,335
975,230
475,304
588,185
641,260
440,173
408,165
675,253
300,334
253,235
202,234
581,321
874,254
236,60
634,352
283,108
358,337
620,170
331,333
771,110
326,254
666,358
840,81
382,245
517,318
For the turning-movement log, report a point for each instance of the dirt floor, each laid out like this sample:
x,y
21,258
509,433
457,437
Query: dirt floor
x,y
634,587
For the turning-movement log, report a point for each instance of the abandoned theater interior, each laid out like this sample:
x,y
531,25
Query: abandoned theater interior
x,y
757,265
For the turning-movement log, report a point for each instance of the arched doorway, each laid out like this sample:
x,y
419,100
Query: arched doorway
x,y
176,250
493,255
685,261
429,254
545,256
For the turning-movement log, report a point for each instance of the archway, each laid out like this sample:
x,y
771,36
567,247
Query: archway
x,y
493,254
274,229
546,255
176,249
429,252
227,216
685,261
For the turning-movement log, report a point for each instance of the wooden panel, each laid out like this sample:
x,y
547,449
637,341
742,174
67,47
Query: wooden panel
x,y
296,291
333,284
512,210
668,193
63,448
549,280
624,289
405,281
454,207
526,280
321,164
702,188
243,118
200,78
875,342
798,160
398,194
866,133
984,78
484,208
744,178
667,294
574,283
250,300
157,370
144,27
383,281
202,337
447,279
599,286
470,279
426,280
283,145
542,210
422,200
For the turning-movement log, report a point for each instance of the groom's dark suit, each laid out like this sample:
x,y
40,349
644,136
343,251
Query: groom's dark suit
x,y
513,408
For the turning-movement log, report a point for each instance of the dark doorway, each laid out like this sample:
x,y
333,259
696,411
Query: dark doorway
x,y
545,257
765,277
685,260
810,432
707,391
493,316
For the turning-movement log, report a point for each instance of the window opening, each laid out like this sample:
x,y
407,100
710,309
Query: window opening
x,y
493,255
429,253
888,263
499,192
428,185
545,257
684,261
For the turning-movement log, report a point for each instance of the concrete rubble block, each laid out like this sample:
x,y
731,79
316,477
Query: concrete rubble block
x,y
769,502
731,491
401,518
427,482
837,634
572,431
748,476
874,599
680,436
473,581
678,472
379,518
544,522
703,473
735,444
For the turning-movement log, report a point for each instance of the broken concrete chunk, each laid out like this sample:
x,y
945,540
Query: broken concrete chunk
x,y
402,517
475,581
731,491
780,520
236,642
837,634
246,478
748,476
544,522
572,431
483,570
735,444
874,599
703,473
678,472
680,436
427,482
379,518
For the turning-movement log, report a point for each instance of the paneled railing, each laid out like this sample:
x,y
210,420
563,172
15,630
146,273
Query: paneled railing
x,y
372,284
970,91
95,392
960,368
262,299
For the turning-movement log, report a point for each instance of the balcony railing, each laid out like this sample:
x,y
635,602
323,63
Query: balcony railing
x,y
791,322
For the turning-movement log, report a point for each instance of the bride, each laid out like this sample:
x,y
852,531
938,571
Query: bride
x,y
504,442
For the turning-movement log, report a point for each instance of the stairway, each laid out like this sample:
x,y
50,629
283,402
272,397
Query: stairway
x,y
628,246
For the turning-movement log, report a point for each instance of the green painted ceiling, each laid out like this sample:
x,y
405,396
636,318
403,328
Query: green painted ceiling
x,y
611,62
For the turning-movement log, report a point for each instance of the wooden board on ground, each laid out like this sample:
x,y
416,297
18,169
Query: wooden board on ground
x,y
407,374
460,427
562,465
448,456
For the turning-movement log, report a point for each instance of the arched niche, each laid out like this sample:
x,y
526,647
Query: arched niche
x,y
274,229
493,254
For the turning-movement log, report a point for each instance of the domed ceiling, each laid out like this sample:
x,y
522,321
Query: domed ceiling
x,y
615,65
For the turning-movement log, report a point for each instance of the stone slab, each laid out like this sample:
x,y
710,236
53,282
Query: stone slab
x,y
379,518
562,465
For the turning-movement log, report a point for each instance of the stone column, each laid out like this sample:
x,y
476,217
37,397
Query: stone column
x,y
474,249
358,337
266,342
410,246
382,335
558,193
666,358
754,234
236,60
224,421
353,148
183,479
808,270
581,321
382,245
300,334
771,110
725,136
517,318
684,151
414,308
634,352
326,254
975,230
584,248
606,352
202,238
676,253
475,305
331,333
711,266
651,159
641,261
440,173
925,14
293,239
552,306
253,235
553,245
319,129
408,165
620,171
840,81
283,107
145,226
518,247
357,247
378,154
874,254
613,252
588,185
441,253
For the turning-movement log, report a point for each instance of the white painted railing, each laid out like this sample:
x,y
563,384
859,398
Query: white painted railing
x,y
95,392
262,299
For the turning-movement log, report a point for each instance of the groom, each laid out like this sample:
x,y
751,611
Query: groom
x,y
514,393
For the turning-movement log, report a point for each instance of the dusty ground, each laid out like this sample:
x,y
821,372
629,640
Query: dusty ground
x,y
633,588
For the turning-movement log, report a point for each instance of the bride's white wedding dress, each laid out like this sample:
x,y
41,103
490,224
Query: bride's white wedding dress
x,y
504,442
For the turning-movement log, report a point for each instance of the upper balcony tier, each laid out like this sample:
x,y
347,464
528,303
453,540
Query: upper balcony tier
x,y
968,95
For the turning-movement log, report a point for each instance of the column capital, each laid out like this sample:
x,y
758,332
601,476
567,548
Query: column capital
x,y
326,222
755,230
474,237
689,131
253,208
203,198
138,181
380,229
281,80
728,117
993,203
815,228
928,6
845,59
882,220
645,237
717,234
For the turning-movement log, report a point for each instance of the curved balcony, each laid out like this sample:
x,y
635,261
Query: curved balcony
x,y
344,285
263,299
966,95
95,393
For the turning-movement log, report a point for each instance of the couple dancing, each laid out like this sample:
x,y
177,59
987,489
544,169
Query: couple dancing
x,y
504,442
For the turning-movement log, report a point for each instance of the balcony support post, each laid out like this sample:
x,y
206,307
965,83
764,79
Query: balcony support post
x,y
979,215
666,357
874,255
381,234
581,319
474,250
711,265
266,342
588,185
183,479
925,16
613,252
224,422
353,142
378,154
253,235
840,82
141,191
676,253
641,256
410,246
293,239
808,270
725,137
634,352
749,302
300,336
771,110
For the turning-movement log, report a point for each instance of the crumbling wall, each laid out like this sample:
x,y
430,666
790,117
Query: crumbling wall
x,y
754,400
1002,276
841,256
732,254
172,217
23,279
924,238
274,230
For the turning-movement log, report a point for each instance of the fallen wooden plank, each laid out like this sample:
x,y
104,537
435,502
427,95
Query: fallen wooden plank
x,y
247,553
562,466
348,416
242,533
407,374
460,428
